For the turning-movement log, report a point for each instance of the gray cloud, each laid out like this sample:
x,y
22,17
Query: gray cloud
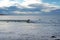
x,y
34,9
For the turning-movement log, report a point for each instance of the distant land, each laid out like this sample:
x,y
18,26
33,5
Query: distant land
x,y
2,14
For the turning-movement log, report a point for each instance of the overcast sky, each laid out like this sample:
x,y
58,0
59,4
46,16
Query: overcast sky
x,y
27,2
30,6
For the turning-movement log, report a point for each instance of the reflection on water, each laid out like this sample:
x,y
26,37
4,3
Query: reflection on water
x,y
43,28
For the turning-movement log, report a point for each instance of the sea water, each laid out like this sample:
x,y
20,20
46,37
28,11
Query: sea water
x,y
42,27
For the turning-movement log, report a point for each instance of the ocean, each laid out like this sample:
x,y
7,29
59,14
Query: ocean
x,y
42,27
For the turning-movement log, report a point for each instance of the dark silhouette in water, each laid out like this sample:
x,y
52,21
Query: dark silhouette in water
x,y
57,39
53,36
28,21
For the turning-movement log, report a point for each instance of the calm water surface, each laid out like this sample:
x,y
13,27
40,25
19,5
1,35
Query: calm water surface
x,y
42,29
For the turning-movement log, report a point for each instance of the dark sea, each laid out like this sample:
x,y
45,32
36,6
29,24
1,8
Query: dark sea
x,y
42,27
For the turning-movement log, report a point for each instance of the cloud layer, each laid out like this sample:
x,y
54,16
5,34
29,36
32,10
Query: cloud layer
x,y
27,7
